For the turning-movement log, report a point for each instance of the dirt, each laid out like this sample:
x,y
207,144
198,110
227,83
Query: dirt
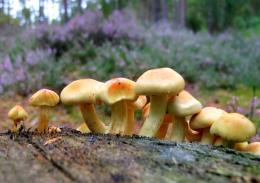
x,y
74,157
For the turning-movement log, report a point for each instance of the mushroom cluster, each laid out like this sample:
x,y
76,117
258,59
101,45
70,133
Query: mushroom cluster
x,y
168,111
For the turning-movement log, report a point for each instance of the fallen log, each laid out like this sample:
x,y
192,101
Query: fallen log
x,y
70,156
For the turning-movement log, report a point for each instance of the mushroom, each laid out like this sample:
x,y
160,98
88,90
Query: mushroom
x,y
17,114
192,135
203,121
253,148
131,108
181,106
233,127
117,92
158,84
44,99
241,146
161,133
83,92
83,128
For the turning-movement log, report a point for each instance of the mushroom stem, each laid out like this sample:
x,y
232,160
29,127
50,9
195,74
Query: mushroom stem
x,y
129,128
118,117
43,119
207,138
162,131
223,142
16,122
156,115
178,129
91,119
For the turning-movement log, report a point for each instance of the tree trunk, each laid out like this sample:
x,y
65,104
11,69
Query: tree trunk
x,y
2,7
65,9
164,10
179,13
41,11
70,156
79,6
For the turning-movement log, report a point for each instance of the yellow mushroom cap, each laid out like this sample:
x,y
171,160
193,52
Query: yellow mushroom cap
x,y
253,148
159,82
17,113
117,89
44,97
233,127
205,118
80,91
184,104
241,146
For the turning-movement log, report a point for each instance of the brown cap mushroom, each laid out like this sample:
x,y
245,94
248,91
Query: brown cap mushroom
x,y
83,92
44,99
203,120
117,92
233,127
180,106
17,114
158,84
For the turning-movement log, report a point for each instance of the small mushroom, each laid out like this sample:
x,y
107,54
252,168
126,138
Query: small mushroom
x,y
203,121
181,106
131,108
83,92
17,114
117,92
44,99
253,148
233,127
240,146
158,84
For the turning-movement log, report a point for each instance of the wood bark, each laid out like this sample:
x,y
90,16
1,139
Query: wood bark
x,y
70,156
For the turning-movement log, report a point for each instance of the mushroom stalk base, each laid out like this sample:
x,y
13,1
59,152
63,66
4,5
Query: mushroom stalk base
x,y
43,120
91,119
129,129
207,138
118,117
15,124
162,131
178,129
156,115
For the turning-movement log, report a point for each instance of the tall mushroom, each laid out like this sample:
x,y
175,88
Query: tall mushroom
x,y
83,92
44,99
116,93
233,127
17,114
203,121
181,106
158,84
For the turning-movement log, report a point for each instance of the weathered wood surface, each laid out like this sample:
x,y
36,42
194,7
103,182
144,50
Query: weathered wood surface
x,y
73,157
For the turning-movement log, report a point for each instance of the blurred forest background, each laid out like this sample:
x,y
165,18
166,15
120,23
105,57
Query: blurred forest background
x,y
214,44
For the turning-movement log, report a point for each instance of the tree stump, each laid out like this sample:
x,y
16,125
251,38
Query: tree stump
x,y
70,156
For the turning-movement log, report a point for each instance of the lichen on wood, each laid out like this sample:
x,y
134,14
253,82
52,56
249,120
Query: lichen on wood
x,y
70,156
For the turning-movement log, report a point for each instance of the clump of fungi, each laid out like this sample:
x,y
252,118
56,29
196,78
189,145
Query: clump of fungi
x,y
168,111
